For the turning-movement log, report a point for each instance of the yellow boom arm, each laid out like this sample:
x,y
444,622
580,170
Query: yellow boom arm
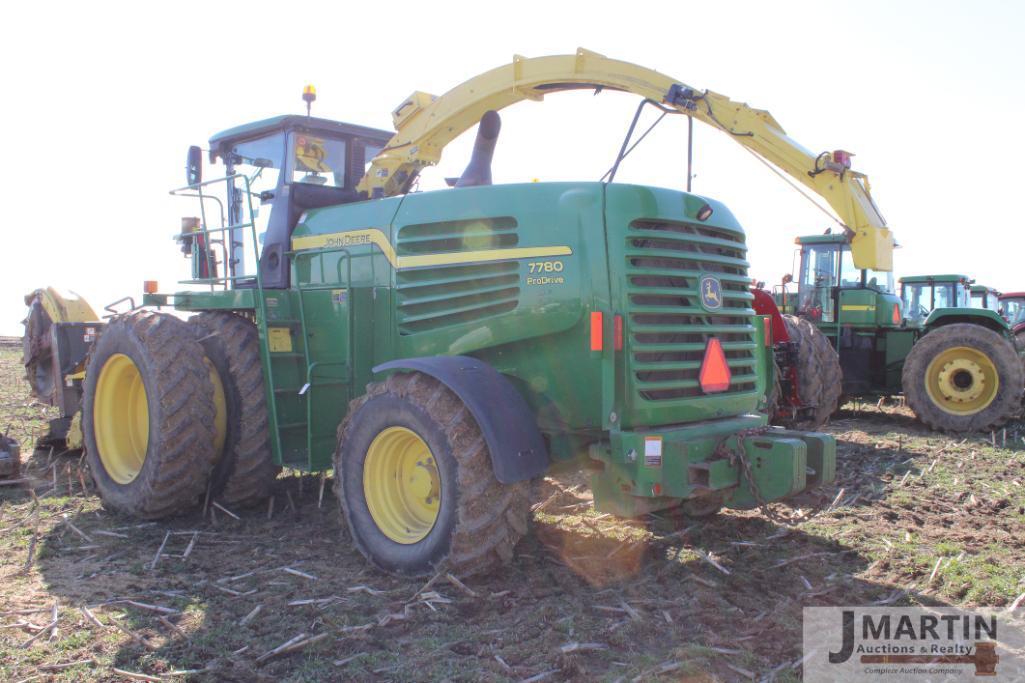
x,y
426,124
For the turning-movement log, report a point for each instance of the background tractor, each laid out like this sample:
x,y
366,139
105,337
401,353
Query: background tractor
x,y
985,297
957,366
440,349
1012,308
922,294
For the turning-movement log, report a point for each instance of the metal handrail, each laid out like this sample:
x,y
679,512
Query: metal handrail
x,y
195,190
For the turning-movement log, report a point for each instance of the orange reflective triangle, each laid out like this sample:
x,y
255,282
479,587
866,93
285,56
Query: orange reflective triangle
x,y
715,373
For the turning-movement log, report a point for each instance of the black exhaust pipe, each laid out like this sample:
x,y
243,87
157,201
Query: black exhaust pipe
x,y
478,171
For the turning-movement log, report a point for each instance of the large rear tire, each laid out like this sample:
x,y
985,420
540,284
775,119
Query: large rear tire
x,y
819,377
245,471
963,378
414,479
149,416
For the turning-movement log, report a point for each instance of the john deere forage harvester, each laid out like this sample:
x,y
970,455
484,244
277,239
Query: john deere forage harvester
x,y
440,349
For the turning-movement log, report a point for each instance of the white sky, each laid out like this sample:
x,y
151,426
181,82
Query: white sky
x,y
100,102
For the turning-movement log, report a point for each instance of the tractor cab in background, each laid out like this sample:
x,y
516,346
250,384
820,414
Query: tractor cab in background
x,y
275,170
985,297
923,294
1012,309
829,284
850,306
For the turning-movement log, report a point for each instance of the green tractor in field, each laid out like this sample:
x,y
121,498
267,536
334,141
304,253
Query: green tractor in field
x,y
438,350
957,366
1012,309
985,297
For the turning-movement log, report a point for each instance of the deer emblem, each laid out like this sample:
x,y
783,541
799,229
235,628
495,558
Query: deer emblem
x,y
711,293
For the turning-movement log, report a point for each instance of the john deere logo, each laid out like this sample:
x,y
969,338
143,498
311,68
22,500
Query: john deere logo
x,y
711,293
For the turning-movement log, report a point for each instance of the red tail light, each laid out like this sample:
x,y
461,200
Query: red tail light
x,y
767,327
617,333
842,157
596,331
896,314
715,372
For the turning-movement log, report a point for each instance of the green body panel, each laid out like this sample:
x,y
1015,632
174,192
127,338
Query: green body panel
x,y
220,300
782,463
514,275
865,308
981,316
896,346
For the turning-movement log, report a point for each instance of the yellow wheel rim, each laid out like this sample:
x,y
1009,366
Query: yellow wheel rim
x,y
401,485
121,419
220,409
962,381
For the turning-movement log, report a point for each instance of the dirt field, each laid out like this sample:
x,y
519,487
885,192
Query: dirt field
x,y
914,517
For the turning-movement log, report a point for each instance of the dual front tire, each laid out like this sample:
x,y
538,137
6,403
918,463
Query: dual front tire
x,y
168,414
174,411
817,375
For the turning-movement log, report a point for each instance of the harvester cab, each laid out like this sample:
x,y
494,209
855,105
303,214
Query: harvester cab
x,y
275,170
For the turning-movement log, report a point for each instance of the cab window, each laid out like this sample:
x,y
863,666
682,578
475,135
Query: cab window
x,y
316,160
917,300
259,162
820,266
944,296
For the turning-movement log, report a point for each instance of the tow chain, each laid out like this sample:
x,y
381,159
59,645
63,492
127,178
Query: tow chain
x,y
739,457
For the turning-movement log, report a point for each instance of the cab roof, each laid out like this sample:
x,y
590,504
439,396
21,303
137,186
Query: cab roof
x,y
833,238
983,289
1012,295
220,142
918,279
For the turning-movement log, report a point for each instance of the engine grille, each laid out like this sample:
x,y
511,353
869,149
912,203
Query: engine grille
x,y
667,325
436,297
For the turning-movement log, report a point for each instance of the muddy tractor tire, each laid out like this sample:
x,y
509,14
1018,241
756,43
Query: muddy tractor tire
x,y
414,479
963,378
819,378
10,458
245,470
775,392
149,417
37,356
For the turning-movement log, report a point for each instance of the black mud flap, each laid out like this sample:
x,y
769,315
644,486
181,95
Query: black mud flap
x,y
517,450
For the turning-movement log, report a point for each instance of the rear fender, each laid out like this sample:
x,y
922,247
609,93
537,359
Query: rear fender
x,y
764,304
517,450
973,316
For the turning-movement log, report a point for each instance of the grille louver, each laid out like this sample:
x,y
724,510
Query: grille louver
x,y
434,297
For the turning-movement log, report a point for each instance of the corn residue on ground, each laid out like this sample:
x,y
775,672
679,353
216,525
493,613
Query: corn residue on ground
x,y
278,593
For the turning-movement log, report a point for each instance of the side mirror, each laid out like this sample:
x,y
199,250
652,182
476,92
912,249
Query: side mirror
x,y
194,166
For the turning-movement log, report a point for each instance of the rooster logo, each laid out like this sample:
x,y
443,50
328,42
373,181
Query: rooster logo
x,y
711,293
